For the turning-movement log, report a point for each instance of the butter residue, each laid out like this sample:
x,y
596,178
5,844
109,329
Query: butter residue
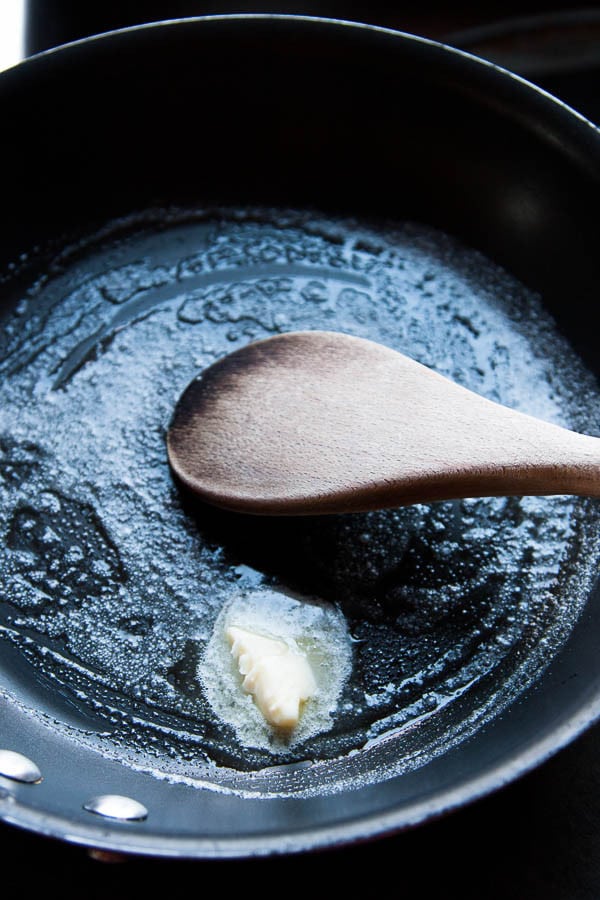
x,y
279,677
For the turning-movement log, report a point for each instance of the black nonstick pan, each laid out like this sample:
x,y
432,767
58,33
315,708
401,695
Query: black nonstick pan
x,y
170,193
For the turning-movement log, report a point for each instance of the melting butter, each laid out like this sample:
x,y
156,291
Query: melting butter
x,y
279,678
294,655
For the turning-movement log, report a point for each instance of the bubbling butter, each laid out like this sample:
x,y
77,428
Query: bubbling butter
x,y
278,676
294,655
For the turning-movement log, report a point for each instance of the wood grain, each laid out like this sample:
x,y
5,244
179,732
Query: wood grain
x,y
322,422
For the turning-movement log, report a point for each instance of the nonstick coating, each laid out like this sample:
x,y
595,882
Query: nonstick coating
x,y
351,120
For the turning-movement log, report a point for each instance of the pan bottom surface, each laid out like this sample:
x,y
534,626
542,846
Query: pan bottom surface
x,y
428,620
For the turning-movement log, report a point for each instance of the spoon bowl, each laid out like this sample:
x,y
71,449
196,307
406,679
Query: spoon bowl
x,y
323,422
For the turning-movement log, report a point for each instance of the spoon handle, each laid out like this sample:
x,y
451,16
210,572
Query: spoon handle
x,y
571,468
464,445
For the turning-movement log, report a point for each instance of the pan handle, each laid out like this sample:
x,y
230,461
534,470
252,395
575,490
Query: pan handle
x,y
536,45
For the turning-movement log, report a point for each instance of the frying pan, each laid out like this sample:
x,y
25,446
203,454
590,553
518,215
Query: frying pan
x,y
136,143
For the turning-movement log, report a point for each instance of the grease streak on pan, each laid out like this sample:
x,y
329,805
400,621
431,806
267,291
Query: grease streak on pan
x,y
112,582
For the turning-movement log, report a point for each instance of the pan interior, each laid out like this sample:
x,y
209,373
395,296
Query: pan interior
x,y
113,582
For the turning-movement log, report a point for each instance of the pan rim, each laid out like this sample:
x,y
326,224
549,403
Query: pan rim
x,y
321,20
362,828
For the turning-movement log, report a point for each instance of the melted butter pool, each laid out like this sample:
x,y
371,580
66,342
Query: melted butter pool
x,y
316,629
113,585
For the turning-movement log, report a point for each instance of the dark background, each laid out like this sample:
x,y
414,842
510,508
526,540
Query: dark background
x,y
536,838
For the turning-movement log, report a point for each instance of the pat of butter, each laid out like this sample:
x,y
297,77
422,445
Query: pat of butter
x,y
279,678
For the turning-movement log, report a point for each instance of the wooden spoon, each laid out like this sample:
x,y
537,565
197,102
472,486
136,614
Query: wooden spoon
x,y
321,422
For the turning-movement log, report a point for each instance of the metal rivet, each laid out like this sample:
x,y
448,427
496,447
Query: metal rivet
x,y
18,767
114,806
